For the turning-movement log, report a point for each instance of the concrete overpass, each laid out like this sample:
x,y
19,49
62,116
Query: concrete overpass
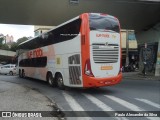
x,y
6,56
133,14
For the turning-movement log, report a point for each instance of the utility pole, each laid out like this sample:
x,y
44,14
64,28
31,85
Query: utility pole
x,y
145,58
127,48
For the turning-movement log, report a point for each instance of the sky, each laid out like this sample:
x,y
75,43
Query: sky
x,y
17,31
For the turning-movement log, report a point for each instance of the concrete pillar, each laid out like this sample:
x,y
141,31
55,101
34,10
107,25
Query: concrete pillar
x,y
127,49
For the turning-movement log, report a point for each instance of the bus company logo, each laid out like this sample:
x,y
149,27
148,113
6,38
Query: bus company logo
x,y
35,53
102,35
113,36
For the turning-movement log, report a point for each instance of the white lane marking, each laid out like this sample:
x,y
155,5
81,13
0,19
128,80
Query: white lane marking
x,y
72,102
75,106
99,103
102,105
149,102
129,105
124,103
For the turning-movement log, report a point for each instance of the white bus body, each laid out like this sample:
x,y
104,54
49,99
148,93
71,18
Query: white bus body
x,y
76,56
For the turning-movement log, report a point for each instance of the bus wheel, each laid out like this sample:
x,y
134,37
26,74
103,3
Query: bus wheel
x,y
60,81
23,74
20,73
10,73
50,80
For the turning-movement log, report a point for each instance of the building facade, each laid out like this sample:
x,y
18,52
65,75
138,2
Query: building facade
x,y
129,47
41,29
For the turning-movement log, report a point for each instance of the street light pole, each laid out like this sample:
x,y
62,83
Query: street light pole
x,y
127,48
145,58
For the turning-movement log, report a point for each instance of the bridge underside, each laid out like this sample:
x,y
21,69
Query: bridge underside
x,y
5,59
7,56
133,14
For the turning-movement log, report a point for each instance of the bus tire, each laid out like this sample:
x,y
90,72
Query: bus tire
x,y
50,80
59,80
23,74
10,73
20,74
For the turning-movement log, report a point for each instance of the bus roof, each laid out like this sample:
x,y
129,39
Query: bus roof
x,y
37,41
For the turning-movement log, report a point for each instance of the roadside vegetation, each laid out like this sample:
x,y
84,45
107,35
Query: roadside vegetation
x,y
13,45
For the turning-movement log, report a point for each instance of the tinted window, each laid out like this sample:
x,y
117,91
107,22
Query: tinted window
x,y
34,62
61,34
6,66
98,22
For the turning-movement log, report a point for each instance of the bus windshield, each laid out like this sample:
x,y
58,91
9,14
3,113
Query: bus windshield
x,y
103,23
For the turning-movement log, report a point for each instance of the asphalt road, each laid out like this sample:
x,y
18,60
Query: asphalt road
x,y
129,95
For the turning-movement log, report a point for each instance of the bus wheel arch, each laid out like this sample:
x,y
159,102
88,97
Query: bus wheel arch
x,y
20,73
23,73
10,73
59,80
50,79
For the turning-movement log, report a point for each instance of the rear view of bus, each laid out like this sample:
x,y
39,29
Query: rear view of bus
x,y
102,66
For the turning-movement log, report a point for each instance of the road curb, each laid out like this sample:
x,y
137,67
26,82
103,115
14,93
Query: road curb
x,y
139,76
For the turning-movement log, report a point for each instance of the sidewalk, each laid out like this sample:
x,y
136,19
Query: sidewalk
x,y
16,97
139,76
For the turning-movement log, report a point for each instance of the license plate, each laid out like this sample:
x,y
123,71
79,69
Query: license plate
x,y
106,67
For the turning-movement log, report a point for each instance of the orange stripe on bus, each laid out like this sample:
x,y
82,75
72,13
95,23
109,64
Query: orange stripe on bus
x,y
85,50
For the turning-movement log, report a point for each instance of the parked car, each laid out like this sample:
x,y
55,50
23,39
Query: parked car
x,y
8,69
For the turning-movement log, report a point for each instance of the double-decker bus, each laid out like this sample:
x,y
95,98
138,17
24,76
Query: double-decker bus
x,y
82,52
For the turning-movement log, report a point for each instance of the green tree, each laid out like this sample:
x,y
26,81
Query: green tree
x,y
1,40
4,47
14,47
15,44
20,40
